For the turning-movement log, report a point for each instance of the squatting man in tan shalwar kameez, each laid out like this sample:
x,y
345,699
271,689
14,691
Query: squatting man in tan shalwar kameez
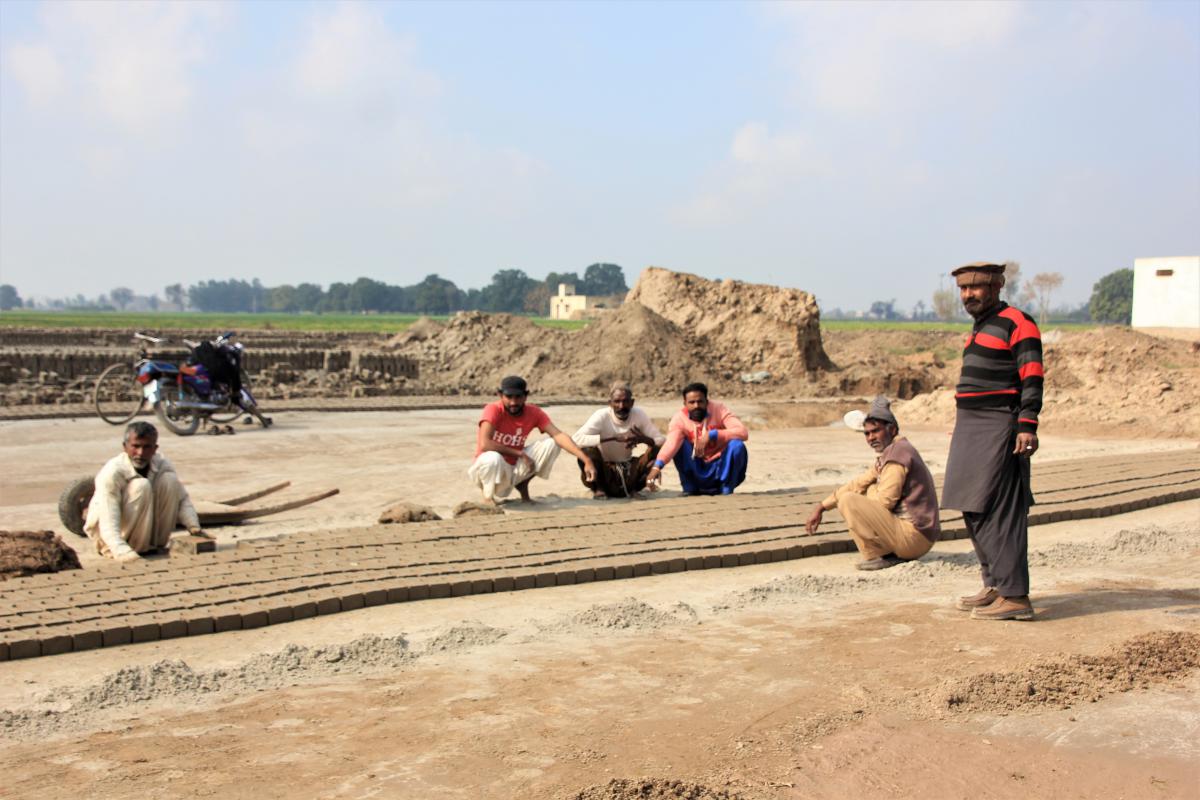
x,y
138,500
892,508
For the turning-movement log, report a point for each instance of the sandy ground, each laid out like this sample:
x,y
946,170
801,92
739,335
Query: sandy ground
x,y
799,679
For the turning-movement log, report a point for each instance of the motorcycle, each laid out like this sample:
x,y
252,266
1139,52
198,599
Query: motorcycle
x,y
210,386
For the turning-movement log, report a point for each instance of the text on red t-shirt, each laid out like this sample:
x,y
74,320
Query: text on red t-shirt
x,y
512,431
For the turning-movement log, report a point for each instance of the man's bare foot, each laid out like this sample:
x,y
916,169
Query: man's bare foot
x,y
523,490
490,501
599,495
637,496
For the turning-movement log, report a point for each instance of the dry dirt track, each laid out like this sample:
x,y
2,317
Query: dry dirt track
x,y
798,679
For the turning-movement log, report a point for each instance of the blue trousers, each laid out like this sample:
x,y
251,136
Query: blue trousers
x,y
712,477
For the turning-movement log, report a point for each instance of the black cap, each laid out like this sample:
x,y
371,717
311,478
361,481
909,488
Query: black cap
x,y
513,385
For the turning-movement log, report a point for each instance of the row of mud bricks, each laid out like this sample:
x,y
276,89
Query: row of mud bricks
x,y
123,338
70,365
288,607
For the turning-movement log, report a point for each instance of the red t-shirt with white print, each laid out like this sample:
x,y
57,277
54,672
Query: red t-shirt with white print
x,y
512,431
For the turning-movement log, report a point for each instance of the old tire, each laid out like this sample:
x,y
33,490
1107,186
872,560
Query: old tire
x,y
73,503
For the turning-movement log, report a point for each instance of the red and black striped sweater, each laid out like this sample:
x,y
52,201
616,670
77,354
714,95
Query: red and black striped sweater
x,y
1002,365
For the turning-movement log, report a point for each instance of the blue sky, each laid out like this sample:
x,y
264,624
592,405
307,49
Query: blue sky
x,y
858,151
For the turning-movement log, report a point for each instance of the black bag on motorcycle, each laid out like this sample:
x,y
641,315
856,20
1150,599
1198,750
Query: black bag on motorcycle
x,y
223,365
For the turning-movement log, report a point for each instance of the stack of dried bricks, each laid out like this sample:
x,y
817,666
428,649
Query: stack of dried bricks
x,y
395,403
302,576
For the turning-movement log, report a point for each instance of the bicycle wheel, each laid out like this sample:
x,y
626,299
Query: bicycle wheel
x,y
181,421
118,397
233,410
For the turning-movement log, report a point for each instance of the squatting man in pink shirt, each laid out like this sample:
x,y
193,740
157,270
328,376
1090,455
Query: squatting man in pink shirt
x,y
707,443
502,461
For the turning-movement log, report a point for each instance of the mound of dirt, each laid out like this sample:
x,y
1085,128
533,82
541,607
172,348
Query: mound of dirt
x,y
632,344
26,552
403,512
744,326
1138,663
1109,377
652,789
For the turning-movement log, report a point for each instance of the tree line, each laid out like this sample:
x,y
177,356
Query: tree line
x,y
511,290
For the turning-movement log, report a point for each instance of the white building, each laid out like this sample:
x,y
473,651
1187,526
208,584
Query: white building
x,y
1166,293
566,303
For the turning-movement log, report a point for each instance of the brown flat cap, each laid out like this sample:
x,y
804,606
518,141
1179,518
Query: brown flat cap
x,y
979,266
978,274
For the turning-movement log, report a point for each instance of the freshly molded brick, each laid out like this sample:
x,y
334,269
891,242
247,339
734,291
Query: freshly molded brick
x,y
729,560
585,575
226,622
419,592
543,580
623,571
439,590
329,605
197,626
811,549
56,644
745,559
642,569
305,609
676,565
375,597
255,619
694,563
145,632
353,601
825,548
460,588
116,635
762,557
280,614
24,648
504,584
397,594
712,562
605,573
482,586
173,628
87,640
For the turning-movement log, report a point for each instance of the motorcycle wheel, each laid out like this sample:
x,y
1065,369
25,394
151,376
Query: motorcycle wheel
x,y
233,410
183,422
73,503
117,397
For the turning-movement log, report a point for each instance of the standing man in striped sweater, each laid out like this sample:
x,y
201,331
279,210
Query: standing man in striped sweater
x,y
999,396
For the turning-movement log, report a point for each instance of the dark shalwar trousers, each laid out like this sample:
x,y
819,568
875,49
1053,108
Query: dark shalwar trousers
x,y
990,486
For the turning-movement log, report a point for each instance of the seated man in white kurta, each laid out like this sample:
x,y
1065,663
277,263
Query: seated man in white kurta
x,y
609,437
138,500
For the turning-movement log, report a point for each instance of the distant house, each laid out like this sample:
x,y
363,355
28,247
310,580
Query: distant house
x,y
566,303
1166,294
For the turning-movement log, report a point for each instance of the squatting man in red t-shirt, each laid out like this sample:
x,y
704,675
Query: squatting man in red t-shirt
x,y
502,461
892,508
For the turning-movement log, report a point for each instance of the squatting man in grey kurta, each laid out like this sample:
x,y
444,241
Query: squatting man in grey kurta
x,y
892,508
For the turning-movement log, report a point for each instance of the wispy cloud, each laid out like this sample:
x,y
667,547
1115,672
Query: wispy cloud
x,y
131,63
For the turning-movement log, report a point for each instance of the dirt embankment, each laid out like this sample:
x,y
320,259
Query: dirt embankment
x,y
1110,379
741,339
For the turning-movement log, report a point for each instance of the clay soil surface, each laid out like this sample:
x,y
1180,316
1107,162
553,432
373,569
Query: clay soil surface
x,y
802,679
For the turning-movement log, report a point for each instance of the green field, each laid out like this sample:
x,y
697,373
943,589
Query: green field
x,y
174,320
